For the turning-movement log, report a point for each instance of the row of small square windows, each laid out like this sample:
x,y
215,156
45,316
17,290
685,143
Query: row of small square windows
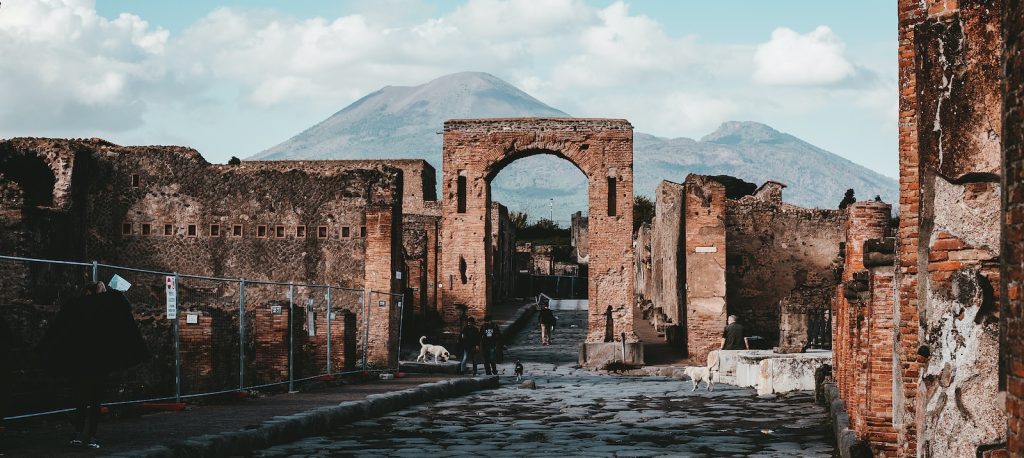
x,y
237,230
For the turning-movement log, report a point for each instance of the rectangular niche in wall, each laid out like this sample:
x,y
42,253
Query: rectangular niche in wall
x,y
612,193
192,230
321,232
300,232
168,230
215,230
279,232
236,230
147,229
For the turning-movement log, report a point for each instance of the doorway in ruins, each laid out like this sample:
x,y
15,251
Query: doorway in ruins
x,y
475,151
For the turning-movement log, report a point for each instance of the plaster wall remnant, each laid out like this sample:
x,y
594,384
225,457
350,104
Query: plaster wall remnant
x,y
579,237
475,150
503,254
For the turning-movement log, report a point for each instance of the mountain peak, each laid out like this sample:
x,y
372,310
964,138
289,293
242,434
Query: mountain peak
x,y
744,132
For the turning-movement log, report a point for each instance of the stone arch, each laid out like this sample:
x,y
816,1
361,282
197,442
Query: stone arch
x,y
475,150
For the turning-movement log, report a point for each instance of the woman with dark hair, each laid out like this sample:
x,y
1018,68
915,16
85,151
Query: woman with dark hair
x,y
90,337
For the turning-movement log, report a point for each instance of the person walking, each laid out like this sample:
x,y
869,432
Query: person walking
x,y
732,337
490,339
547,323
469,339
89,338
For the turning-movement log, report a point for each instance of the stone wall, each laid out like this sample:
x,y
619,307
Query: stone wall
x,y
667,289
773,249
1013,223
167,209
503,254
476,150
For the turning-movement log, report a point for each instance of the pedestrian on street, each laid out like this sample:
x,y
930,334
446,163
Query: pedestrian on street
x,y
469,339
732,337
490,340
90,337
547,323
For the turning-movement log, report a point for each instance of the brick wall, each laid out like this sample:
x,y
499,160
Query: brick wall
x,y
667,259
704,280
1013,223
476,150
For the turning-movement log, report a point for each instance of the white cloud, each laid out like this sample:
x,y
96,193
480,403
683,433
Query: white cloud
x,y
812,59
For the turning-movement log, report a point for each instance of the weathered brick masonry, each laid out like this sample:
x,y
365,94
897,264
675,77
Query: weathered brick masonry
x,y
165,208
1013,223
476,150
704,254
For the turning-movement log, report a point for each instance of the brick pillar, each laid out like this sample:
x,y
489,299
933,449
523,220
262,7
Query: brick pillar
x,y
879,257
704,231
911,13
1012,335
339,341
383,259
271,343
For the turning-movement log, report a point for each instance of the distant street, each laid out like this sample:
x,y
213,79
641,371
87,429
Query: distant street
x,y
574,412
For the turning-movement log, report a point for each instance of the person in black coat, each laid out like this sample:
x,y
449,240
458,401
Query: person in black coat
x,y
547,323
469,340
90,337
490,340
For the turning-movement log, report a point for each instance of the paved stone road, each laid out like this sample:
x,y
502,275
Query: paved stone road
x,y
574,412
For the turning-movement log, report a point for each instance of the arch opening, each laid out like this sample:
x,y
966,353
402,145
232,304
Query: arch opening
x,y
33,175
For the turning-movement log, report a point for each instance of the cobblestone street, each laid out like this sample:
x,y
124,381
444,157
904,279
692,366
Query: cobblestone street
x,y
575,412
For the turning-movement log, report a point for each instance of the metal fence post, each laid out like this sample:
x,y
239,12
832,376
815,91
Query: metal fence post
x,y
365,299
329,313
96,272
291,337
177,348
241,334
401,321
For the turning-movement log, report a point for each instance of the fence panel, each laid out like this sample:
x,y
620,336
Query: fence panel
x,y
346,307
31,293
208,337
268,327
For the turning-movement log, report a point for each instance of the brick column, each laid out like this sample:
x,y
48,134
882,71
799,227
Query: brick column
x,y
704,230
383,259
196,345
879,257
1012,335
271,344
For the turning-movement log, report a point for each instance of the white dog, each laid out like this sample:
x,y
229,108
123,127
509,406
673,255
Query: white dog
x,y
700,374
436,350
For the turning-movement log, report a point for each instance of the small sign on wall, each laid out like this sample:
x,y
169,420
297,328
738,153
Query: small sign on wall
x,y
382,303
172,297
276,310
706,249
192,318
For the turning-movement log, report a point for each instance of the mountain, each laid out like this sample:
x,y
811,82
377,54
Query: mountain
x,y
402,122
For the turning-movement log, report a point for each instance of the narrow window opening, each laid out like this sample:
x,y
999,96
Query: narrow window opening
x,y
300,232
168,230
362,231
261,230
321,232
462,270
215,230
279,232
462,194
345,232
236,230
135,181
126,229
147,229
612,193
192,231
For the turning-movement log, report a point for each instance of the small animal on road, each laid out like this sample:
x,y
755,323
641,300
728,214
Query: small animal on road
x,y
437,351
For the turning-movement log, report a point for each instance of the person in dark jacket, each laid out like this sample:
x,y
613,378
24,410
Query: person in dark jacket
x,y
469,339
490,340
732,337
547,323
89,338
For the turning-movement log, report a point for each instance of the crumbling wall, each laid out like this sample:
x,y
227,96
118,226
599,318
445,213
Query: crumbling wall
x,y
775,248
1013,224
959,409
668,269
580,239
503,249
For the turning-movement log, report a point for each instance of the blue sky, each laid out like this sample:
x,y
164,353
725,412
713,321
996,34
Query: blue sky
x,y
235,77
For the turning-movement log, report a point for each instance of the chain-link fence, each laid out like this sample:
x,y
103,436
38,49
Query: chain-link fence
x,y
222,335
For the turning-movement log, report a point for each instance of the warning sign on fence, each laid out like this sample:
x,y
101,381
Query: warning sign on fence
x,y
172,298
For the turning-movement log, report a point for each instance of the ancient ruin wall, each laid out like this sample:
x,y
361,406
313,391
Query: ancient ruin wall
x,y
476,150
667,293
705,252
774,248
503,249
580,239
957,67
1013,223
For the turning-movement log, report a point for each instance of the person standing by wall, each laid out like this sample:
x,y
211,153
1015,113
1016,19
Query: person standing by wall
x,y
469,339
490,339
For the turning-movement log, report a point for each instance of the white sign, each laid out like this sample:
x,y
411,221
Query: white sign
x,y
382,303
311,323
119,284
398,274
192,318
706,249
172,297
276,310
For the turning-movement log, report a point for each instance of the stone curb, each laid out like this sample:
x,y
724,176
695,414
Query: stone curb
x,y
847,443
288,428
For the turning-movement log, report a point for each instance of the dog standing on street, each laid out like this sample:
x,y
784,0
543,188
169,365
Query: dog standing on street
x,y
437,351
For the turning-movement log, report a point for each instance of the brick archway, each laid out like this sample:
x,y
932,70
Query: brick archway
x,y
475,150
